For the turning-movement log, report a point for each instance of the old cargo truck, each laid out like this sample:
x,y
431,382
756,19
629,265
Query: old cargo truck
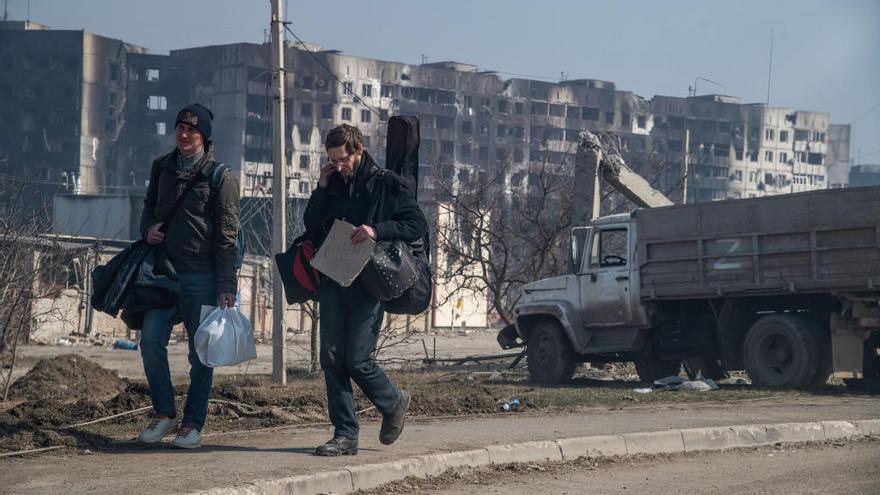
x,y
785,287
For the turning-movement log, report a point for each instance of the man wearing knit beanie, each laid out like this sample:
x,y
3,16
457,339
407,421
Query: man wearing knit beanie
x,y
200,240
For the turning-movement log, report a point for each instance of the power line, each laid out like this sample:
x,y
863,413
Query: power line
x,y
345,88
860,117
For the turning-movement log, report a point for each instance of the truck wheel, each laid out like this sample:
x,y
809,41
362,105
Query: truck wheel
x,y
551,358
782,351
652,368
871,381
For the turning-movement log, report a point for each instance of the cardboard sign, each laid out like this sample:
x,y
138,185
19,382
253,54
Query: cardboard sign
x,y
339,258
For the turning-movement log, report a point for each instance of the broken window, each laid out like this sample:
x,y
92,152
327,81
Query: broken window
x,y
305,135
768,156
571,112
445,122
484,128
815,158
722,150
518,155
303,187
737,175
769,134
819,136
152,75
518,108
483,154
445,97
724,127
157,103
447,147
468,102
387,91
588,113
501,155
366,116
625,120
572,135
502,106
519,132
367,90
464,151
609,118
539,109
485,103
467,127
783,157
801,134
753,156
783,136
306,110
346,114
501,130
327,111
114,71
304,161
557,110
348,88
674,145
383,114
753,176
307,83
641,121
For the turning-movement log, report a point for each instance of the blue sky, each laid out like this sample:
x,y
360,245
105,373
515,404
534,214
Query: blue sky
x,y
826,55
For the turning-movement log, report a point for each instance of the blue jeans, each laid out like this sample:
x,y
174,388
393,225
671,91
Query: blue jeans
x,y
350,323
196,289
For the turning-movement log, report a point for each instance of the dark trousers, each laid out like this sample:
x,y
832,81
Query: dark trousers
x,y
350,323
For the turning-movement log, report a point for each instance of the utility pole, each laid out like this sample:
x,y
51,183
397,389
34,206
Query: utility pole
x,y
684,184
279,192
597,187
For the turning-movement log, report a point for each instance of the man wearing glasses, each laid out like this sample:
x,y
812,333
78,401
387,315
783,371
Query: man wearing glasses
x,y
200,241
350,187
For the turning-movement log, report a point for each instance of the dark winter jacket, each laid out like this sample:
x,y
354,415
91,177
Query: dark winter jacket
x,y
397,216
201,237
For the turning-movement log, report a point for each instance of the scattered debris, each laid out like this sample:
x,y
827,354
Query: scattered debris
x,y
675,382
513,405
125,344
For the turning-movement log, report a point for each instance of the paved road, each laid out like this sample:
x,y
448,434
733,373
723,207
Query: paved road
x,y
828,469
230,459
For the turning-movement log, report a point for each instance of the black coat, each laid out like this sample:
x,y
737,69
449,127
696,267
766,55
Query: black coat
x,y
397,213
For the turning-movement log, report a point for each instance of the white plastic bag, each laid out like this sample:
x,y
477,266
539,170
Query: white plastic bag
x,y
224,338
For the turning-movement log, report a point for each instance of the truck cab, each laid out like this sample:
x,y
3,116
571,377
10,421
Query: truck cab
x,y
596,306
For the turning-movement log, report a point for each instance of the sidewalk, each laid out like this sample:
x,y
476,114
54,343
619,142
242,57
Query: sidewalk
x,y
228,460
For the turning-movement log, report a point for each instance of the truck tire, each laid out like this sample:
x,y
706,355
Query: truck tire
x,y
782,351
550,356
652,368
871,369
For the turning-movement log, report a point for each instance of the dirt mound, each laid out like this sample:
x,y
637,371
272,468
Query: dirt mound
x,y
68,378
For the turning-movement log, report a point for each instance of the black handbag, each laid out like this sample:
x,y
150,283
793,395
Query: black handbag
x,y
398,273
390,271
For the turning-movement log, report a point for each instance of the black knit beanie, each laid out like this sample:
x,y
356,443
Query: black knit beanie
x,y
198,116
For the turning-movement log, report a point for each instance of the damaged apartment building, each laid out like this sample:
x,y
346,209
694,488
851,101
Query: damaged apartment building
x,y
85,115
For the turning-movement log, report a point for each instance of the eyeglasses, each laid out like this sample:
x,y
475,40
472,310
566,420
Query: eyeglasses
x,y
339,161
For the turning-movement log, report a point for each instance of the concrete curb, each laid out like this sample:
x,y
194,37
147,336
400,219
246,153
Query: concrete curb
x,y
367,476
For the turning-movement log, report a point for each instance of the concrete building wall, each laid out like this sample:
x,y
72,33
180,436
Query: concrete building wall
x,y
838,155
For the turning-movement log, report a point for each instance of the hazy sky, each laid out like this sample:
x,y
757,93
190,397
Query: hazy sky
x,y
826,54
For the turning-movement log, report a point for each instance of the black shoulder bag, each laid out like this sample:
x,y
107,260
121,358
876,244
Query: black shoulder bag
x,y
398,273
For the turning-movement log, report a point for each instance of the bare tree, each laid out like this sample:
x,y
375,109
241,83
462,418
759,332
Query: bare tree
x,y
32,268
503,228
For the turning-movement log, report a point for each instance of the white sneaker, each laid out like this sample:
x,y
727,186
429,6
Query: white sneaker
x,y
159,427
188,437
